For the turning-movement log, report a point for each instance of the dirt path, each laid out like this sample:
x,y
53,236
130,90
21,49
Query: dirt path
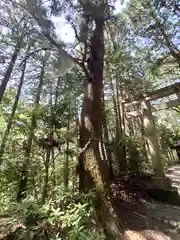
x,y
139,219
150,220
173,172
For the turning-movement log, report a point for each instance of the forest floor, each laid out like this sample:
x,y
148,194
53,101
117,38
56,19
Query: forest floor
x,y
140,214
159,221
143,218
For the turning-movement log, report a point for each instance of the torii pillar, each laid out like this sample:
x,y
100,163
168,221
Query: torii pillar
x,y
159,180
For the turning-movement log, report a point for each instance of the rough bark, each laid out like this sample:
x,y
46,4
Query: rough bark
x,y
94,171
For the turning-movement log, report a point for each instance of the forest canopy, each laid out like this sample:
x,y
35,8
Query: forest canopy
x,y
77,115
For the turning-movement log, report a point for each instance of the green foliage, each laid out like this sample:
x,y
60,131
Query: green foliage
x,y
134,154
138,57
2,122
135,160
116,144
4,201
71,216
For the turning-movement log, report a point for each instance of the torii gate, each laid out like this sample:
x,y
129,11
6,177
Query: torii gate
x,y
145,109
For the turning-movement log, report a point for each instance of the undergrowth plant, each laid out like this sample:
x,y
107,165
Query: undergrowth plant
x,y
69,216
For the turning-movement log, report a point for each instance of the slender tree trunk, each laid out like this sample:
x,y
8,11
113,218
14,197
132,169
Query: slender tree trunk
x,y
118,105
66,163
22,186
8,129
123,125
119,154
77,170
53,167
54,127
122,150
94,170
66,167
116,111
49,150
9,70
35,187
106,137
46,177
140,121
57,92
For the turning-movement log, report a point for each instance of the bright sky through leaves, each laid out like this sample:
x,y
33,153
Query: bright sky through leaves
x,y
65,32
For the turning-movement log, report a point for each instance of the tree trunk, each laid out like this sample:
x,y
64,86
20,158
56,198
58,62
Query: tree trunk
x,y
77,170
53,169
119,154
54,127
94,171
46,177
22,186
8,129
106,137
66,163
140,121
122,150
9,70
115,111
34,183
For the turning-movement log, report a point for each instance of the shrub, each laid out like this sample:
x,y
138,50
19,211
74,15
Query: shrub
x,y
70,216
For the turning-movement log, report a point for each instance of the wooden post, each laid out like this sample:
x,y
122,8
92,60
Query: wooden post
x,y
151,135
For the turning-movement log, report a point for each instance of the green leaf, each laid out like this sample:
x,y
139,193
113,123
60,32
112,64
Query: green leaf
x,y
22,116
2,121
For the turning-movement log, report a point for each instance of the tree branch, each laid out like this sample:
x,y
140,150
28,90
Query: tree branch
x,y
47,34
54,42
30,54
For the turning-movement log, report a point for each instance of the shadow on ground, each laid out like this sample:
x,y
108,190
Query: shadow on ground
x,y
142,217
139,226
